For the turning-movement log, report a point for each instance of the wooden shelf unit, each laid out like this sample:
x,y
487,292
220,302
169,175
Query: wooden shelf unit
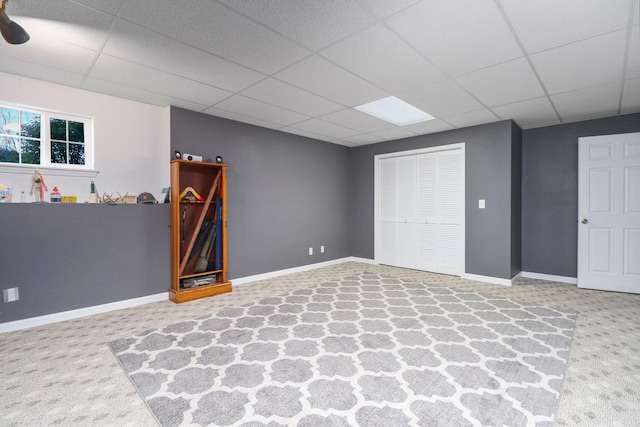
x,y
197,251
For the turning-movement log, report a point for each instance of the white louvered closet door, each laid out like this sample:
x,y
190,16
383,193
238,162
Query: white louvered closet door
x,y
387,212
427,228
406,212
421,211
449,213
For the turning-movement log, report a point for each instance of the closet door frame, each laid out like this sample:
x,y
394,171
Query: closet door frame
x,y
377,188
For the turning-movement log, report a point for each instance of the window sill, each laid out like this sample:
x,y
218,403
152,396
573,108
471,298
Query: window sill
x,y
29,169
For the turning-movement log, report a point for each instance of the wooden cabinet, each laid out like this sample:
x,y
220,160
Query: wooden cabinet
x,y
198,230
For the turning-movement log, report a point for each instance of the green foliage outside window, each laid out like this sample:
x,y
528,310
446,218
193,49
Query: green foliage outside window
x,y
21,138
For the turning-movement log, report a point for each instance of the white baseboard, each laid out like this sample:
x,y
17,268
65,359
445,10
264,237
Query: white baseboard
x,y
551,277
272,274
81,312
363,260
489,279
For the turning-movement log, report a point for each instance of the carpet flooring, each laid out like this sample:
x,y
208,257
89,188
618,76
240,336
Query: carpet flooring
x,y
64,374
368,350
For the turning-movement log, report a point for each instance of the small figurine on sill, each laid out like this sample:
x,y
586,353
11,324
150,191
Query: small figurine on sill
x,y
38,186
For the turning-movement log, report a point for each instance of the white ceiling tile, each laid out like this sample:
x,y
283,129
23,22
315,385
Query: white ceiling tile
x,y
253,108
361,139
323,78
503,84
631,96
588,102
314,24
62,20
393,133
564,21
304,133
241,118
575,66
472,118
146,47
109,6
46,51
19,67
381,57
118,70
429,126
633,64
530,112
136,94
328,130
354,119
385,8
459,36
217,29
284,95
441,99
344,143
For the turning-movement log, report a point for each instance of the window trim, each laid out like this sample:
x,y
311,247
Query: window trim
x,y
45,144
27,169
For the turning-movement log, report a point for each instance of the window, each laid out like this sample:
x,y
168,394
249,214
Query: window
x,y
49,139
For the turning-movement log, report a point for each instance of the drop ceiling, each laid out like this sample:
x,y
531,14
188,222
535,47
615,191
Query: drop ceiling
x,y
300,66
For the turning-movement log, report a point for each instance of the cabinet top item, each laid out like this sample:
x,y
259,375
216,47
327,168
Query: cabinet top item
x,y
190,162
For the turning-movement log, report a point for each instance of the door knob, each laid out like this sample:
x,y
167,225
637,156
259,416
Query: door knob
x,y
584,220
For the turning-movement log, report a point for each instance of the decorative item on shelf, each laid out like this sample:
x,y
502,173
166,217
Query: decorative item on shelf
x,y
191,157
110,199
93,195
199,281
166,195
219,160
128,198
69,199
146,198
56,197
107,198
5,193
189,194
177,155
38,185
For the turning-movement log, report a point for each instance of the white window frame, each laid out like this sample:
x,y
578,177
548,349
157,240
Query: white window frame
x,y
45,145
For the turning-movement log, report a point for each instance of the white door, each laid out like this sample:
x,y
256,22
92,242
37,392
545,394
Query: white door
x,y
609,212
386,208
406,212
397,211
420,210
440,207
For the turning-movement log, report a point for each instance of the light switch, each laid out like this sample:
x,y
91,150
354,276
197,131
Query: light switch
x,y
481,204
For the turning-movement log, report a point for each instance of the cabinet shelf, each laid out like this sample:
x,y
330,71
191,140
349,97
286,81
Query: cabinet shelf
x,y
206,273
198,231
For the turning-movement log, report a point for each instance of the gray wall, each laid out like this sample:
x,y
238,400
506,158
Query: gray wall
x,y
490,150
286,192
64,257
516,199
550,192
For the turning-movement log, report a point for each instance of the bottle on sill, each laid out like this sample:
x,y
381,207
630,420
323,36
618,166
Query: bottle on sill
x,y
56,197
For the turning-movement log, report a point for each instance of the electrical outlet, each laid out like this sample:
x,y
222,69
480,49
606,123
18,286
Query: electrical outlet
x,y
10,295
321,249
310,251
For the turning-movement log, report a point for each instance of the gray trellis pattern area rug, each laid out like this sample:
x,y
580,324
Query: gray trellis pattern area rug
x,y
367,350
